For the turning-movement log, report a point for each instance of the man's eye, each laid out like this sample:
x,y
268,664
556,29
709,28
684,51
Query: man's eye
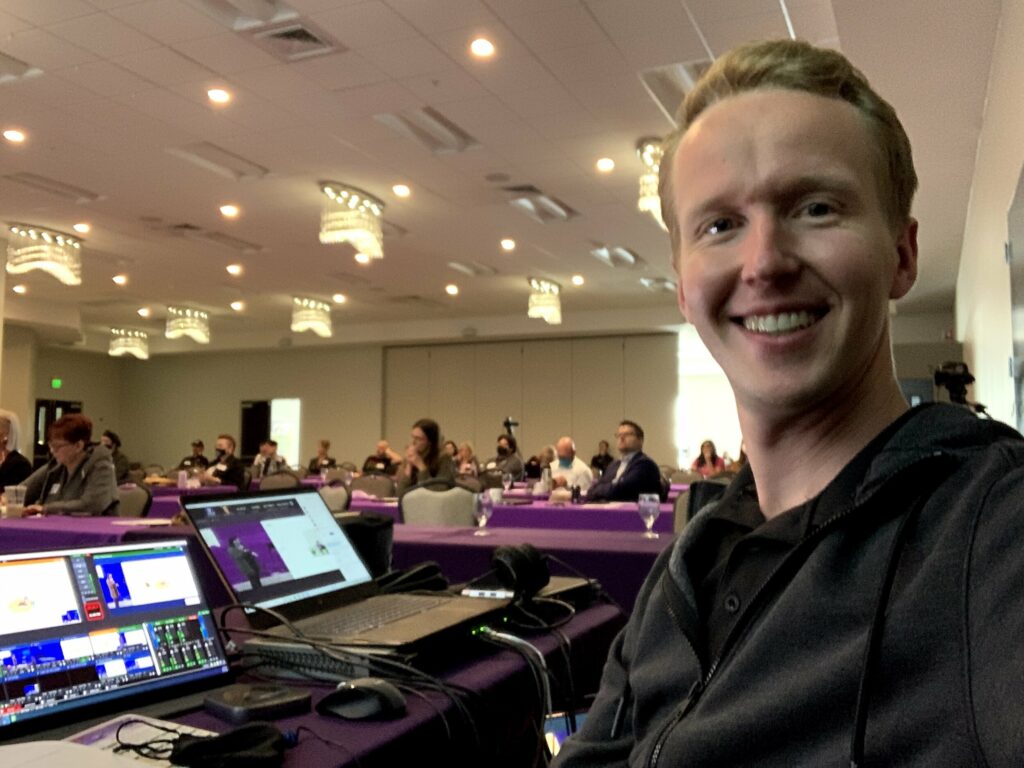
x,y
718,226
818,209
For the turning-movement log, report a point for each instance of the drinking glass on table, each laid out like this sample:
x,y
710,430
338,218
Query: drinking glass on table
x,y
649,505
506,481
482,512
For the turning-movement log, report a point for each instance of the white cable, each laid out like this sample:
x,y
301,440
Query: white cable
x,y
532,652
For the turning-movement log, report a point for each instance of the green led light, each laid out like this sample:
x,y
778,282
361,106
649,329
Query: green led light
x,y
56,383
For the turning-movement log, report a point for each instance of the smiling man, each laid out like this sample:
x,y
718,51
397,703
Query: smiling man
x,y
854,598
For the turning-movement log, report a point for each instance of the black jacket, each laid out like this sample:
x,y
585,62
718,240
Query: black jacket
x,y
641,476
892,635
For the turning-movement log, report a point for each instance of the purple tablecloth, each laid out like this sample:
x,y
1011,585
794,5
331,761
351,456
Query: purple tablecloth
x,y
172,490
620,561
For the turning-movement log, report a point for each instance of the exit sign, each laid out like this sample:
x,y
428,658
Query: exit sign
x,y
56,383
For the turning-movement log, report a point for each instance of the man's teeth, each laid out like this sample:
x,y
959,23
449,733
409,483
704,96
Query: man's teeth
x,y
781,323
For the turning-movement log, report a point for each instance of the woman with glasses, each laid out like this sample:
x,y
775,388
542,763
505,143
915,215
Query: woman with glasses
x,y
79,477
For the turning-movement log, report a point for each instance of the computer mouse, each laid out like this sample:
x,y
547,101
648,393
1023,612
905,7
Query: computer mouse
x,y
365,698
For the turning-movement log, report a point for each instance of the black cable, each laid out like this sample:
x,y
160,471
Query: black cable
x,y
157,748
330,742
601,591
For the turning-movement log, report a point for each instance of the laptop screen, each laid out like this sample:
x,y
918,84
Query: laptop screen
x,y
84,627
276,548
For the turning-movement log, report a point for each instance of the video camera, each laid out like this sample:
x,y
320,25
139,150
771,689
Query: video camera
x,y
508,424
954,377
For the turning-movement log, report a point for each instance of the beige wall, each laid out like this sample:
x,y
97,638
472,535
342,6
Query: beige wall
x,y
95,380
580,387
983,293
17,378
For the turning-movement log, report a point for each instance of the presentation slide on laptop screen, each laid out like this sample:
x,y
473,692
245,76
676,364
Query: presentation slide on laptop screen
x,y
278,548
78,627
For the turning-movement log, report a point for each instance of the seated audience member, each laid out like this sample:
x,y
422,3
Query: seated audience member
x,y
322,460
121,464
226,468
195,460
267,462
508,458
535,465
709,463
465,460
384,461
632,474
602,459
424,459
79,477
14,467
570,470
451,448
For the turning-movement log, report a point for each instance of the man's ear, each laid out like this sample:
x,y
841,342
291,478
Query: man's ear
x,y
906,265
680,293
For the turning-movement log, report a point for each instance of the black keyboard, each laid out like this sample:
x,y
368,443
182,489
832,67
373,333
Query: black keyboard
x,y
375,612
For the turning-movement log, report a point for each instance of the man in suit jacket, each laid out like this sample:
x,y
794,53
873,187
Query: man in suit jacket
x,y
632,474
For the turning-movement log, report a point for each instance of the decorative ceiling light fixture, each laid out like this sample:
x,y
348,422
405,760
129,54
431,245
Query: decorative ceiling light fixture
x,y
544,300
649,151
185,321
350,215
311,315
126,341
45,249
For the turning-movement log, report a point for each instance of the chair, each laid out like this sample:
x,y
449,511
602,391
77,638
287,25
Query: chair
x,y
471,483
666,470
373,484
680,511
246,479
338,475
335,497
279,480
136,476
703,493
154,469
685,476
490,478
135,501
302,472
348,466
452,506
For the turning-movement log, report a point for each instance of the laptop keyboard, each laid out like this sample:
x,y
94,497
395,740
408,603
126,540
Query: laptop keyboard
x,y
375,612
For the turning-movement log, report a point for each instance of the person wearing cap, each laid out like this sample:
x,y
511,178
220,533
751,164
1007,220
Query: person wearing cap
x,y
121,464
195,460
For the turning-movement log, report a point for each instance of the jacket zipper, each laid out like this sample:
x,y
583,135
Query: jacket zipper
x,y
741,626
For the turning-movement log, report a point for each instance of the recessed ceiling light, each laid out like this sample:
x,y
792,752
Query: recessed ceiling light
x,y
401,190
229,211
508,244
82,228
482,48
577,280
451,289
19,289
605,165
219,95
14,136
340,298
120,279
234,269
362,258
238,306
144,312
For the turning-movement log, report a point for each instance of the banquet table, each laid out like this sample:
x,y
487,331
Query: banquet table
x,y
619,561
172,490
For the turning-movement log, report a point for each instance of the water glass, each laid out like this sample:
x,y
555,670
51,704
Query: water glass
x,y
649,505
482,512
506,481
15,498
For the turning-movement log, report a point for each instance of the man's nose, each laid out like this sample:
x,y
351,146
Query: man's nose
x,y
767,251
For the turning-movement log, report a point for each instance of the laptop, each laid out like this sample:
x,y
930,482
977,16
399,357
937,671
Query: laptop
x,y
85,632
283,550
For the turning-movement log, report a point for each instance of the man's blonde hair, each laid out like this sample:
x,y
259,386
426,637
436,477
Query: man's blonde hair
x,y
798,66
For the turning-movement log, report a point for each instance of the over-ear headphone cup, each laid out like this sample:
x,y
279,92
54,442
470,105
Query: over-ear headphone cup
x,y
260,745
522,568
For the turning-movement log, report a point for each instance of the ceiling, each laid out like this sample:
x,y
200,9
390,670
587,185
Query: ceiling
x,y
121,92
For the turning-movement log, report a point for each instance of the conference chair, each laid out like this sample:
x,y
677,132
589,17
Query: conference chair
x,y
279,480
490,478
685,476
666,470
135,501
246,479
338,474
335,497
424,505
471,483
680,511
703,493
373,484
154,470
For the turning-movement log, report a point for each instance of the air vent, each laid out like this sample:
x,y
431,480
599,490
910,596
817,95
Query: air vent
x,y
296,41
219,160
430,129
538,206
192,232
243,15
658,284
53,187
15,69
617,257
668,85
413,300
473,268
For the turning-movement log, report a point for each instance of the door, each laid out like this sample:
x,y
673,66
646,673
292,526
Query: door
x,y
47,412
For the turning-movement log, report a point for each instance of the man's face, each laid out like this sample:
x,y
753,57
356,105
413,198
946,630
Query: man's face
x,y
382,448
627,439
224,445
196,450
565,450
107,442
787,259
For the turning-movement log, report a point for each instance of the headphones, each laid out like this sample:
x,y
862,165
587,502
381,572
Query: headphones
x,y
521,568
256,745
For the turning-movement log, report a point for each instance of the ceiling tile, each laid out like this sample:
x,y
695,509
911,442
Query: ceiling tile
x,y
42,12
724,10
47,88
276,81
364,25
453,84
164,67
813,20
619,19
10,24
103,35
408,57
556,27
45,51
661,47
450,14
544,100
375,99
105,78
340,70
723,35
168,22
584,62
226,54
